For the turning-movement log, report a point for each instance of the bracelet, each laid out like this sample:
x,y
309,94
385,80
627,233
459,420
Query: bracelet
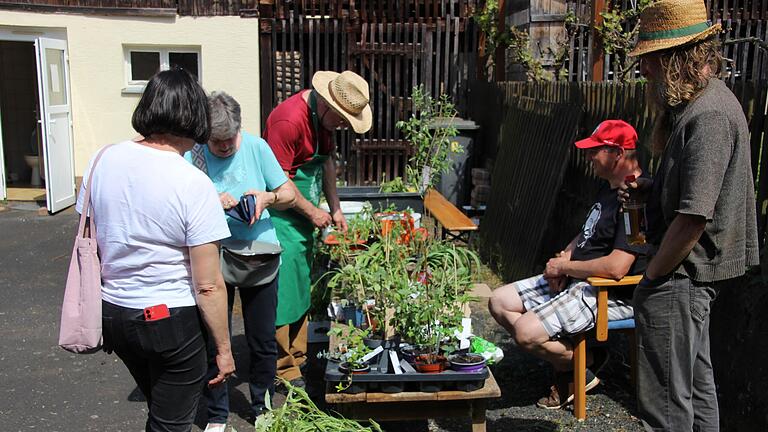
x,y
277,197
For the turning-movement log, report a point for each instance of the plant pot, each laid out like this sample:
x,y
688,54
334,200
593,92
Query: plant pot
x,y
467,362
346,369
429,363
378,341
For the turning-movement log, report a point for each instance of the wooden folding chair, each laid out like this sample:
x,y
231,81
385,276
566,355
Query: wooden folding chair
x,y
602,326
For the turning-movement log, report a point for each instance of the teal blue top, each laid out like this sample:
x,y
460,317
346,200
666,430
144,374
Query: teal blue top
x,y
253,166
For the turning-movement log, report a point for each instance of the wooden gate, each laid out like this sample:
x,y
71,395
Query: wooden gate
x,y
394,45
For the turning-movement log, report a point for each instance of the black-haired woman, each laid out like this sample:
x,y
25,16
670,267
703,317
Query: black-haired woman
x,y
158,223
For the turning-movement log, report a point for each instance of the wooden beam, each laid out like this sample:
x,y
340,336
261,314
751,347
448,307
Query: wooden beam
x,y
89,10
500,57
266,65
598,57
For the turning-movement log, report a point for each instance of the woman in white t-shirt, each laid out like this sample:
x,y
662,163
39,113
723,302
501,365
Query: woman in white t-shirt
x,y
158,223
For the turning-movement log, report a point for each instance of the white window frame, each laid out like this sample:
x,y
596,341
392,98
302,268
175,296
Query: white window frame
x,y
137,86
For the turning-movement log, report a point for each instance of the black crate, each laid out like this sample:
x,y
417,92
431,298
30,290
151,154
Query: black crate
x,y
375,381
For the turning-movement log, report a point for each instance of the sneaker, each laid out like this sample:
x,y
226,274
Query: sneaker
x,y
600,356
215,427
561,393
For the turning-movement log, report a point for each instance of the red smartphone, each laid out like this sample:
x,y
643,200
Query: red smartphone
x,y
156,312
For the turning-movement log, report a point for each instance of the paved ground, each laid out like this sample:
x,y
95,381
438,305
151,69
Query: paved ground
x,y
45,388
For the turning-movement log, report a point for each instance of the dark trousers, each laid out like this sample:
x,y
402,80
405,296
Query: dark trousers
x,y
259,310
675,383
165,357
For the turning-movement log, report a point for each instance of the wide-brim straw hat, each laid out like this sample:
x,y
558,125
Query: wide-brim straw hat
x,y
672,23
347,93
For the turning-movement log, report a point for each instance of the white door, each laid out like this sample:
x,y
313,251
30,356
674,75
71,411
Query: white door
x,y
56,120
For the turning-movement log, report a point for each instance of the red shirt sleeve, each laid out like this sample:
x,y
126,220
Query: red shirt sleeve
x,y
283,137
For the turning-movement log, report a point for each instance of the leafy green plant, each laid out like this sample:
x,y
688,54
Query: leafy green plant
x,y
512,38
431,132
300,414
352,347
615,37
430,307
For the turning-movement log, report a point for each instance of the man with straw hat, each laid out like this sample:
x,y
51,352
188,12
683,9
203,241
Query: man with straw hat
x,y
299,131
701,208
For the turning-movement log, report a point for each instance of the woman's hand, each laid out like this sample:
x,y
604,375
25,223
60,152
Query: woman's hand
x,y
227,201
264,199
638,189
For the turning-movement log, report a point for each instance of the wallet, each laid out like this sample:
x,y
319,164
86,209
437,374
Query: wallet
x,y
244,210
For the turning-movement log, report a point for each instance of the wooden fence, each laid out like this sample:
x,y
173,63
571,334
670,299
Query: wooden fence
x,y
744,22
393,45
541,187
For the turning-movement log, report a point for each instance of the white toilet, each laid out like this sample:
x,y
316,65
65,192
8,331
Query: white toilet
x,y
34,163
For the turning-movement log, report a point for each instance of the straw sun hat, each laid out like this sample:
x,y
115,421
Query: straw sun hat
x,y
672,23
347,93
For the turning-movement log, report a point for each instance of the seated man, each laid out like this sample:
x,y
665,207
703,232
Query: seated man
x,y
542,311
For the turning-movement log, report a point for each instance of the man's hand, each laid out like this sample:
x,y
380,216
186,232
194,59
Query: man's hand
x,y
226,365
556,285
320,219
339,221
638,189
227,201
555,268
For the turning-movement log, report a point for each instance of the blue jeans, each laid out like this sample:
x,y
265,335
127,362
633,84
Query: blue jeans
x,y
165,357
676,385
259,310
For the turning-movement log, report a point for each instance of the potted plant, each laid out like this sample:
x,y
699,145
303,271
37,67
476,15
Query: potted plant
x,y
430,130
430,307
351,348
466,362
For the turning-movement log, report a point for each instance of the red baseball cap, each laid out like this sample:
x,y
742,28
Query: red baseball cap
x,y
617,133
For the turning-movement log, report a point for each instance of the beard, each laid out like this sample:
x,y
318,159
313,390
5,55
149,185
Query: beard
x,y
655,97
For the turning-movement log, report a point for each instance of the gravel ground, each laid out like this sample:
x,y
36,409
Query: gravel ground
x,y
45,388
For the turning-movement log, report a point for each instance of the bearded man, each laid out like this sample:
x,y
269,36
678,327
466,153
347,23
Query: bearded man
x,y
701,211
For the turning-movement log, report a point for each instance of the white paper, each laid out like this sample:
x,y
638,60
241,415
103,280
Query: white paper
x,y
395,362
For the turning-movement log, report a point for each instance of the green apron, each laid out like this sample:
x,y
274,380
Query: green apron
x,y
296,236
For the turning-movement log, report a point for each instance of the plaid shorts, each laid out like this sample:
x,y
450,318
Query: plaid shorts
x,y
571,311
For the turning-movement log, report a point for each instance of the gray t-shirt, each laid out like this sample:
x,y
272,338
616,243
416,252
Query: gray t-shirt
x,y
706,171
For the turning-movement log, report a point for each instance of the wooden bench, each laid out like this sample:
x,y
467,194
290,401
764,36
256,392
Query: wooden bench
x,y
452,222
417,405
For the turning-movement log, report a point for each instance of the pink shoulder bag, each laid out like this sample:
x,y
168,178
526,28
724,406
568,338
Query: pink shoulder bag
x,y
80,330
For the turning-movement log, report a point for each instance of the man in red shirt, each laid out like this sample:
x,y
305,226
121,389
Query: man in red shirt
x,y
299,131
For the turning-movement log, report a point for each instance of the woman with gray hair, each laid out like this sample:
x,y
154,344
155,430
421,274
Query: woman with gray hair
x,y
241,166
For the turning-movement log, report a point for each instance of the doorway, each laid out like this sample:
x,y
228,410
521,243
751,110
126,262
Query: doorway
x,y
19,115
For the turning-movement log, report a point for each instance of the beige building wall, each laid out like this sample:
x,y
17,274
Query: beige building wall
x,y
229,56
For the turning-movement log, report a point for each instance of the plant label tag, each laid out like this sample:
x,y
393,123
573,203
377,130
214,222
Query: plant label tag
x,y
407,368
395,362
466,327
373,353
